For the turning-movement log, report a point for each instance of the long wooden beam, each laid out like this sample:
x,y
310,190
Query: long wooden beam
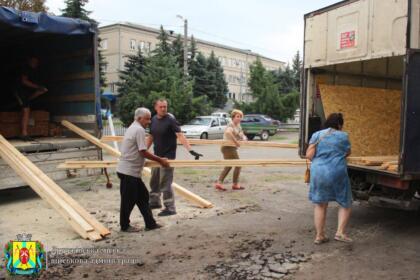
x,y
35,178
91,138
187,163
220,143
201,202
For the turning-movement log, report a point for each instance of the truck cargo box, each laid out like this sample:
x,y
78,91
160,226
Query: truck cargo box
x,y
362,58
67,50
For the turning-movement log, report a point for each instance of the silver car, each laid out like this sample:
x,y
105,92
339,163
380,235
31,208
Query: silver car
x,y
205,127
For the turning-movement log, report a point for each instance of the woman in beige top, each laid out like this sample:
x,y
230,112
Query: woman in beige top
x,y
233,133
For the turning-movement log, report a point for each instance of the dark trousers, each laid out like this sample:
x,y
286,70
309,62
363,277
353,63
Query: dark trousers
x,y
134,192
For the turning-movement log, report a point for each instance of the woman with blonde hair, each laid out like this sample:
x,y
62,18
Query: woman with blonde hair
x,y
235,134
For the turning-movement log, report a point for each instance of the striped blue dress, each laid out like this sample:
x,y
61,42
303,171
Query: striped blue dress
x,y
329,179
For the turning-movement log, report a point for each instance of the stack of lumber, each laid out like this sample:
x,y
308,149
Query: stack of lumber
x,y
10,124
389,163
187,163
39,123
81,221
219,142
199,201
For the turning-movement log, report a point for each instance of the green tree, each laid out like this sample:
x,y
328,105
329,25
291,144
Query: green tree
x,y
193,48
163,47
297,69
76,9
218,81
25,5
178,50
199,74
285,79
161,77
131,74
267,97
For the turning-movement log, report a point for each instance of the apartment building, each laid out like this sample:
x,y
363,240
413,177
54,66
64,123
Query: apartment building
x,y
122,39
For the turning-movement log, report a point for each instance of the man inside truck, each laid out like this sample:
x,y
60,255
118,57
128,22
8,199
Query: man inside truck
x,y
28,89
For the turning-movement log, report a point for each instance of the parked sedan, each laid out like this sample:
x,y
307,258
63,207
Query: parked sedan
x,y
205,127
259,125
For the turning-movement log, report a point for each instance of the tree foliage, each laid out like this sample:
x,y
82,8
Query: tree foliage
x,y
76,9
274,93
158,76
26,5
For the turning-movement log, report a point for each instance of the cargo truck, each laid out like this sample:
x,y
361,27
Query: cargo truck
x,y
67,51
362,58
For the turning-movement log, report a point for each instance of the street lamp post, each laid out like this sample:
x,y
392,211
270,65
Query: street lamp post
x,y
185,45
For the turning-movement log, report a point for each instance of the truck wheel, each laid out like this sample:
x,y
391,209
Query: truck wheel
x,y
204,135
265,135
250,136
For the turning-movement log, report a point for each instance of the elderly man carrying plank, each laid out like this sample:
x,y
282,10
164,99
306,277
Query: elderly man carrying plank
x,y
129,169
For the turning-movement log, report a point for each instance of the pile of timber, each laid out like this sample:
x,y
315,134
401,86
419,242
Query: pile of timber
x,y
199,201
187,163
389,163
10,124
82,222
220,143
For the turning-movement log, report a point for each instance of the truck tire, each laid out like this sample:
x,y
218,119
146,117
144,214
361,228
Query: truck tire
x,y
204,135
250,136
265,135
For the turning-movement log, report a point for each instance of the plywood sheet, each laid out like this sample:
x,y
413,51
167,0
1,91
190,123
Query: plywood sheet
x,y
371,117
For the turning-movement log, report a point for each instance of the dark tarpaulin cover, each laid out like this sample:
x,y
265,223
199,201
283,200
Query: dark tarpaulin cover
x,y
48,24
44,23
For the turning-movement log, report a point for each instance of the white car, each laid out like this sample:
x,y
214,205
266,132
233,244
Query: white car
x,y
205,127
222,115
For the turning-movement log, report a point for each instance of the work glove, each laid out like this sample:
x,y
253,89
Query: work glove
x,y
195,155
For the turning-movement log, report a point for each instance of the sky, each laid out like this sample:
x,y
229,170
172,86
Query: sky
x,y
272,28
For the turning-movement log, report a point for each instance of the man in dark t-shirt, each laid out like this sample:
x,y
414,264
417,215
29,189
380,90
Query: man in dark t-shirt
x,y
27,90
164,132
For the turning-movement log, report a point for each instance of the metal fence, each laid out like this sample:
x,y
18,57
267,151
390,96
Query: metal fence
x,y
119,130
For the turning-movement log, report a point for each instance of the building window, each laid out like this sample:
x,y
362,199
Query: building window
x,y
104,44
112,87
141,46
132,44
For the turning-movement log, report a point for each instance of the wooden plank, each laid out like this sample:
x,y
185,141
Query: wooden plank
x,y
219,142
371,160
72,97
185,163
73,77
60,194
41,188
91,138
70,55
393,168
75,119
146,171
